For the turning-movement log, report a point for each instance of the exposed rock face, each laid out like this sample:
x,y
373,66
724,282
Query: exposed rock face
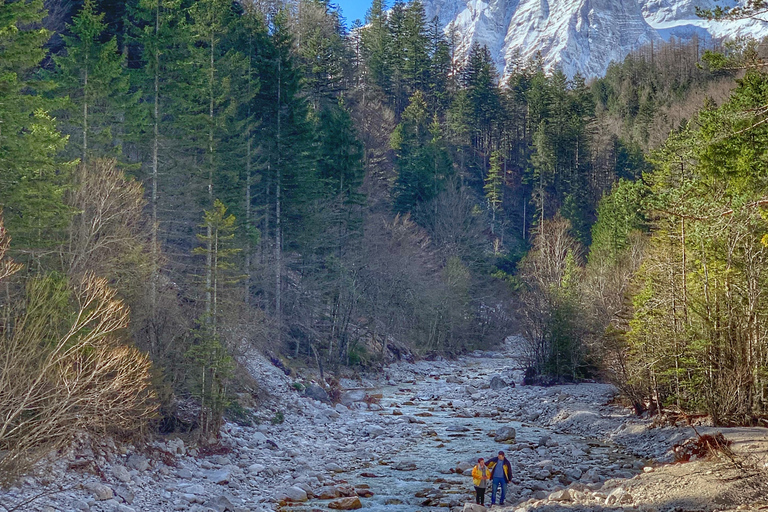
x,y
579,36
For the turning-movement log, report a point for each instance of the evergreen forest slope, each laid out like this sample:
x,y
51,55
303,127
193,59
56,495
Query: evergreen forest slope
x,y
182,182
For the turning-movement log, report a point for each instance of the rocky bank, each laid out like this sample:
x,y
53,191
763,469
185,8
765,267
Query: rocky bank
x,y
406,441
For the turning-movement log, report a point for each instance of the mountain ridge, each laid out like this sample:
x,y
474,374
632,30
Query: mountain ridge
x,y
579,36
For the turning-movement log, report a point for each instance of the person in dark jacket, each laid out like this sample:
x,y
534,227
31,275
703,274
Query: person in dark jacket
x,y
501,472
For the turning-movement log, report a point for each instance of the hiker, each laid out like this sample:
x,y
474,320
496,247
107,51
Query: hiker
x,y
481,475
501,473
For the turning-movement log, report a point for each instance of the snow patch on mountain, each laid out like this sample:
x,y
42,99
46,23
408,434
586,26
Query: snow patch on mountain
x,y
580,36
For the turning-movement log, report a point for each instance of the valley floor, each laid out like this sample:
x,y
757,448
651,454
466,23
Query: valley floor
x,y
406,441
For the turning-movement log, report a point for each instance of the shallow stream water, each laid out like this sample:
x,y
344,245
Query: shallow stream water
x,y
406,474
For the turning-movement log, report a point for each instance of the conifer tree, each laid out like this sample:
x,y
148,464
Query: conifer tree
x,y
494,182
422,162
376,48
32,179
154,32
92,73
219,234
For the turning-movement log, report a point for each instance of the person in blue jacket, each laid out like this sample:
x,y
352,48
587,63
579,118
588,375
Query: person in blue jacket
x,y
501,474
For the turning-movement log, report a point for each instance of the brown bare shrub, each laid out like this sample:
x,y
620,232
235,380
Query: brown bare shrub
x,y
64,370
7,265
109,235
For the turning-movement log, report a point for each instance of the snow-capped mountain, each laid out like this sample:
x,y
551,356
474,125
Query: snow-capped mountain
x,y
581,36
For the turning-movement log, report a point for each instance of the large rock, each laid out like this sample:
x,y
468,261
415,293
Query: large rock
x,y
563,495
255,469
375,431
350,397
296,494
318,393
138,462
100,491
473,507
406,466
126,494
196,489
504,434
221,476
121,473
351,503
220,504
328,492
498,383
461,467
176,446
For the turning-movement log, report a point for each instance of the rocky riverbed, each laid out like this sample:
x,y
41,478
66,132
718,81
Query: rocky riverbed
x,y
404,441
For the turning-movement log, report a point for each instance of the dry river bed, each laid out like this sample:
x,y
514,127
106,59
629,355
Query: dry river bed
x,y
570,450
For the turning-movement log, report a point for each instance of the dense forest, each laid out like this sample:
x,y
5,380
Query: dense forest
x,y
184,182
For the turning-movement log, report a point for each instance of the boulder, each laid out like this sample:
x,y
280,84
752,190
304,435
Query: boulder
x,y
457,428
100,491
472,507
328,492
618,497
126,494
318,393
221,476
220,504
352,396
138,462
196,489
573,473
498,383
504,434
375,431
563,495
255,469
461,467
352,503
405,466
176,446
333,467
121,473
296,494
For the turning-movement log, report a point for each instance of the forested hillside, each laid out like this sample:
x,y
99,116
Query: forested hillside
x,y
183,182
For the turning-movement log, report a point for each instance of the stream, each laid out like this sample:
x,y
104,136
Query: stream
x,y
458,421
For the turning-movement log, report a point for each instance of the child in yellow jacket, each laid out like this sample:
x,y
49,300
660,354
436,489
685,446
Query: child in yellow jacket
x,y
481,477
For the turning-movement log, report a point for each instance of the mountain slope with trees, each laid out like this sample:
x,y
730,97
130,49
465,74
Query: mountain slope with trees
x,y
252,175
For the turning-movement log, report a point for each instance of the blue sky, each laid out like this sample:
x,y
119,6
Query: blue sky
x,y
353,9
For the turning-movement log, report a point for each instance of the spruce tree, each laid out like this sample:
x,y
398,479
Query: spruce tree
x,y
92,73
493,187
423,163
32,179
375,41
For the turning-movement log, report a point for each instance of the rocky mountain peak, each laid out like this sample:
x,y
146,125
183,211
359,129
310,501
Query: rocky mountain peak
x,y
580,36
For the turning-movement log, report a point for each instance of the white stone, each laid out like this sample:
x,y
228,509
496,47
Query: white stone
x,y
295,493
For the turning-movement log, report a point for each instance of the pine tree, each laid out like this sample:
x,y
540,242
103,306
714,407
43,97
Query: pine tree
x,y
322,51
32,180
92,73
219,234
205,107
493,188
153,31
375,41
423,163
